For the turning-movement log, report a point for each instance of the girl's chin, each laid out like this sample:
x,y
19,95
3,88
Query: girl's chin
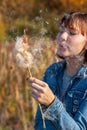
x,y
60,56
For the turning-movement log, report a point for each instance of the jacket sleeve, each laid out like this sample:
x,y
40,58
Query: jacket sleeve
x,y
56,117
38,124
57,114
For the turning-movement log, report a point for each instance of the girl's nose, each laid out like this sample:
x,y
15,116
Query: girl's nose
x,y
64,36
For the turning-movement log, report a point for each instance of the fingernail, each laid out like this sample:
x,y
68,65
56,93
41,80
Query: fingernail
x,y
27,78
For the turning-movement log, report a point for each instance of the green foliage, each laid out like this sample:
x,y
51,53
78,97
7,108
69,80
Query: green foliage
x,y
18,14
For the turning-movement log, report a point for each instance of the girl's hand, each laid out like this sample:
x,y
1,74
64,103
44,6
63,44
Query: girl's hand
x,y
41,91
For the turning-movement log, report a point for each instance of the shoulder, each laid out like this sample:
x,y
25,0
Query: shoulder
x,y
55,68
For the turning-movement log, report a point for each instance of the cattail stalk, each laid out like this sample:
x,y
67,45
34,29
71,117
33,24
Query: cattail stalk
x,y
24,59
43,118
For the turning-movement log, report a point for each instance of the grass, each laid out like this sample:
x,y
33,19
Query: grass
x,y
17,108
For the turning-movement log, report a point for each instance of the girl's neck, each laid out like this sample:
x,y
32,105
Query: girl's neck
x,y
73,64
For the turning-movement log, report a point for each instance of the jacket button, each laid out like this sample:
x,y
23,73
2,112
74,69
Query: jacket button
x,y
74,109
76,102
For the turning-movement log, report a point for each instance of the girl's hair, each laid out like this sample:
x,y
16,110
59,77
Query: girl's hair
x,y
76,21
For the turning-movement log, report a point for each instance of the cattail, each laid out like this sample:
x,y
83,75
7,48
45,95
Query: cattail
x,y
22,55
24,58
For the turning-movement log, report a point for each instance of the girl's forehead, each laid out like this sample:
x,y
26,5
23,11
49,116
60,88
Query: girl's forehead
x,y
73,25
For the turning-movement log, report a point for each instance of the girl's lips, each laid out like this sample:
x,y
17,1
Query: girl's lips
x,y
62,47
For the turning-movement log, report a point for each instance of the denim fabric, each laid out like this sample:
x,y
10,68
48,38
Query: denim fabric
x,y
70,112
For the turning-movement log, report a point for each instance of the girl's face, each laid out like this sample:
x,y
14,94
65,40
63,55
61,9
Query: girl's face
x,y
70,42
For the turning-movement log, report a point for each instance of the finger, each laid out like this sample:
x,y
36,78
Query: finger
x,y
36,96
36,87
37,81
35,92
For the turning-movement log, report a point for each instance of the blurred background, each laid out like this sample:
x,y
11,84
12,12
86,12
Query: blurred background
x,y
41,18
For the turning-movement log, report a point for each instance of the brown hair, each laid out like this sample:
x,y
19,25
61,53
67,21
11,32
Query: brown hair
x,y
77,21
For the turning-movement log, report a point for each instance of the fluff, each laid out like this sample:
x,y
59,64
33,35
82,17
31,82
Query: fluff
x,y
21,53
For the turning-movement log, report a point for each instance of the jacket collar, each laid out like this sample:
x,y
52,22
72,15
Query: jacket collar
x,y
82,73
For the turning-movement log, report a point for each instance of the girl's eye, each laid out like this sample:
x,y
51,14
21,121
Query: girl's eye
x,y
73,33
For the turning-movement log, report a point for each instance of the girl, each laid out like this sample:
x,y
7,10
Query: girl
x,y
63,91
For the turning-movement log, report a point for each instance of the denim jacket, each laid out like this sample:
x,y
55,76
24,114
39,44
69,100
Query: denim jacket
x,y
70,113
